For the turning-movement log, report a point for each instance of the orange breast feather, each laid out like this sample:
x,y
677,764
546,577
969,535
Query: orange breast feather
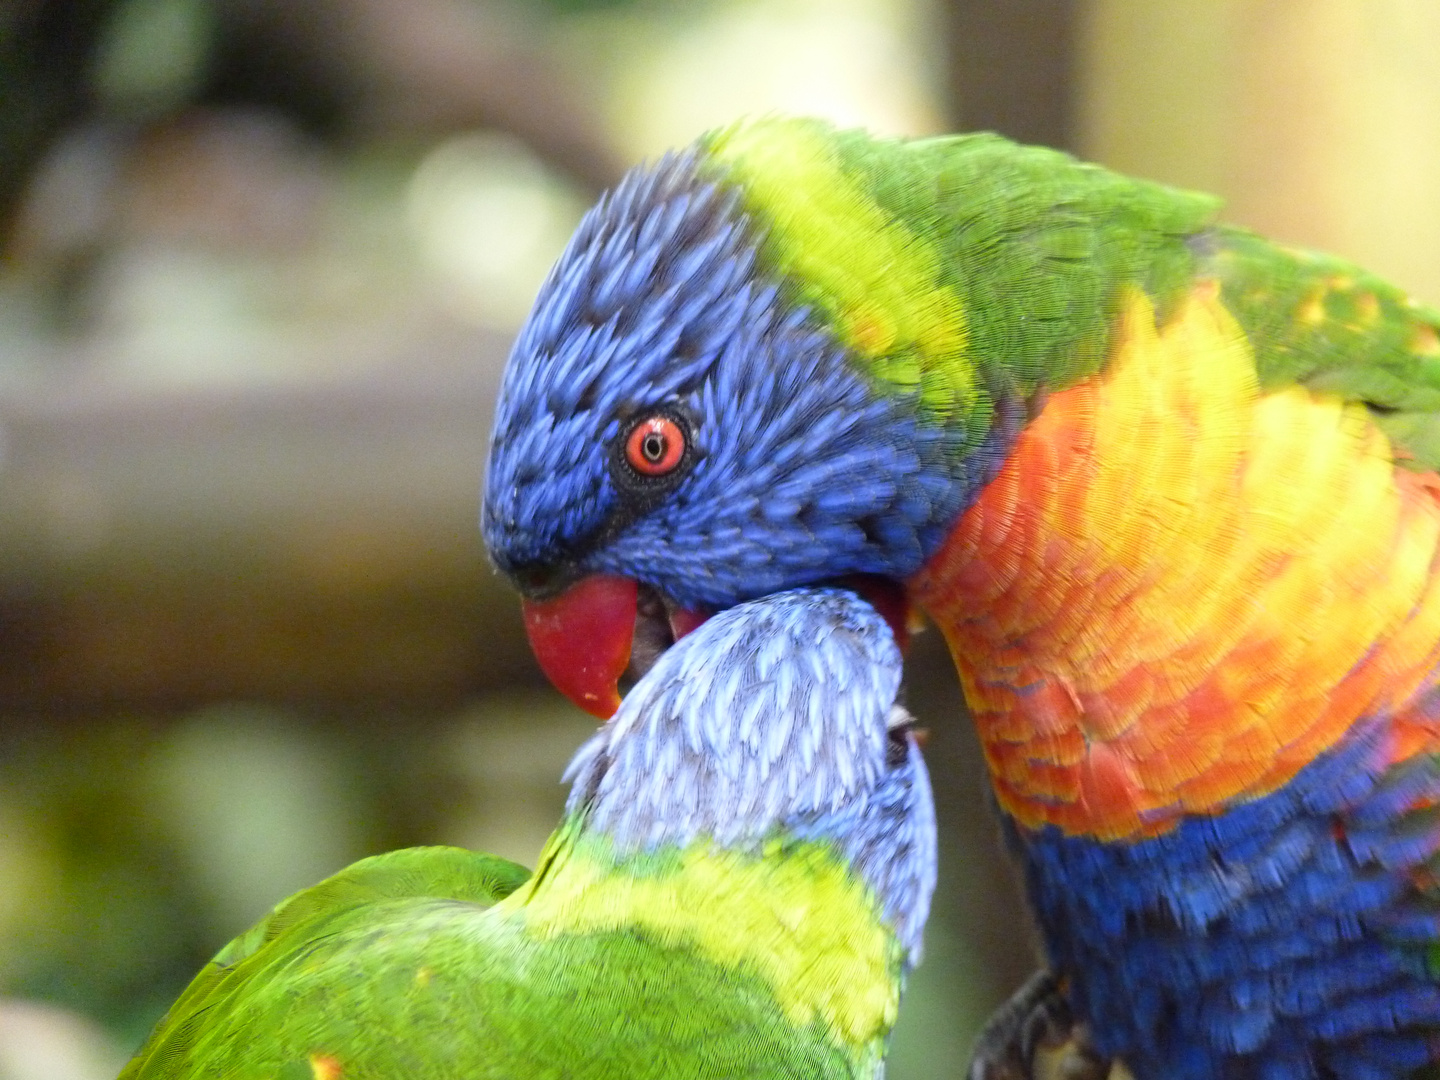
x,y
1179,590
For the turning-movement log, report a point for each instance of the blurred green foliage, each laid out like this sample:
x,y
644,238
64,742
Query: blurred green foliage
x,y
97,914
152,56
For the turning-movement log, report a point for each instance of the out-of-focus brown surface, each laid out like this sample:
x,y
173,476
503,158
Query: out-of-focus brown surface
x,y
1012,68
314,543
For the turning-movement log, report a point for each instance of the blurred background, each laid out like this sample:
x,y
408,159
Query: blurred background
x,y
260,262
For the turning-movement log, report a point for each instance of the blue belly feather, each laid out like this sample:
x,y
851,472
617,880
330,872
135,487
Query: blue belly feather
x,y
1286,939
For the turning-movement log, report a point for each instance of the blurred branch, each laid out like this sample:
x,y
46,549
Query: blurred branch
x,y
445,64
1012,68
46,47
294,543
338,67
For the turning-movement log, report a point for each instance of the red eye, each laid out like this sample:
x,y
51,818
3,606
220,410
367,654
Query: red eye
x,y
656,446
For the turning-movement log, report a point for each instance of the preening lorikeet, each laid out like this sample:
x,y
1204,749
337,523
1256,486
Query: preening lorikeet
x,y
1168,490
737,890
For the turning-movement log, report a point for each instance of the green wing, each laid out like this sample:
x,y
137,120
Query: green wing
x,y
1324,323
399,969
444,873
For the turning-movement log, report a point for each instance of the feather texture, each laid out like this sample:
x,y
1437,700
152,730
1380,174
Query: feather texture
x,y
706,909
1168,489
1156,609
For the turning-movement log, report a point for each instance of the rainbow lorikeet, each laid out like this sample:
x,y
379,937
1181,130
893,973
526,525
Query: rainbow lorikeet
x,y
1168,490
738,888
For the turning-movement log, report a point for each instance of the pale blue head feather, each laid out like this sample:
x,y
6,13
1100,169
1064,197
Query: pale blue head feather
x,y
772,720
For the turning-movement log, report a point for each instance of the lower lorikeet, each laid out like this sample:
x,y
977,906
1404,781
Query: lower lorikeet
x,y
1168,490
737,889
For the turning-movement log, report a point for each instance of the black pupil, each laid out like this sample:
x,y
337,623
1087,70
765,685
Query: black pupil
x,y
653,447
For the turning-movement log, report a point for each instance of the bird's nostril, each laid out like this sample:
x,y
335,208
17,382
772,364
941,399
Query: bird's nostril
x,y
537,580
532,577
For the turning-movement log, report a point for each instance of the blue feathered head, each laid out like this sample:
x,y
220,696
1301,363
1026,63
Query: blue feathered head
x,y
673,416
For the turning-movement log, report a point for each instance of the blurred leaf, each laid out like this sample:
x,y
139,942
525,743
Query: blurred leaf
x,y
117,931
259,806
153,55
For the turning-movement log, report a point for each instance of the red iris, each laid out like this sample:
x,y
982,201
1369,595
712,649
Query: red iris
x,y
655,446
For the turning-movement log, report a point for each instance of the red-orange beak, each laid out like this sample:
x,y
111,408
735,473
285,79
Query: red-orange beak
x,y
583,636
582,639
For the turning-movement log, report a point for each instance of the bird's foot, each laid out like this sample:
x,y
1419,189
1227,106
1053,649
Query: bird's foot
x,y
1034,1036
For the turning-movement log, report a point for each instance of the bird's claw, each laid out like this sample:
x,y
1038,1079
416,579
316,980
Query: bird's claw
x,y
1034,1036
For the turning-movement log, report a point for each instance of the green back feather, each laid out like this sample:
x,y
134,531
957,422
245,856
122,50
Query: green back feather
x,y
433,872
984,268
401,968
1324,323
967,267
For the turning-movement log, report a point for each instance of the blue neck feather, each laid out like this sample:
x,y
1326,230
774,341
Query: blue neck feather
x,y
1283,940
771,721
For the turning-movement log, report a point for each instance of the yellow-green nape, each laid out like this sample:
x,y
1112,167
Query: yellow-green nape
x,y
877,280
803,923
